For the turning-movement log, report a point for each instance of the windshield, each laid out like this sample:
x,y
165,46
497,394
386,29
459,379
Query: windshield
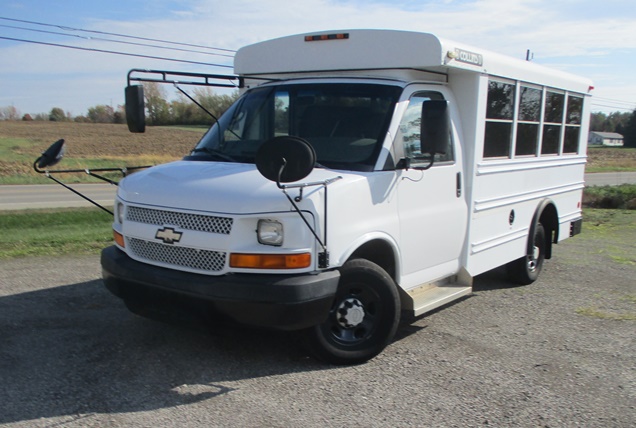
x,y
345,123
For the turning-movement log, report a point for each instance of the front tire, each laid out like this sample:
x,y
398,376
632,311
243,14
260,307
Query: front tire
x,y
526,270
363,318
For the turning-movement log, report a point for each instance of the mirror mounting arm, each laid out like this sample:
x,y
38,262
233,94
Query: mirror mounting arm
x,y
323,258
74,191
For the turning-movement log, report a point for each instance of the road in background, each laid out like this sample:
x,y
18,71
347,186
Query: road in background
x,y
610,178
21,197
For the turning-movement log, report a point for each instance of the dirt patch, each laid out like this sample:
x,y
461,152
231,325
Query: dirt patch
x,y
92,140
610,159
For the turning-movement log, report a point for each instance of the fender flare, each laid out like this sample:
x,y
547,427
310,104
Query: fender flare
x,y
389,261
546,214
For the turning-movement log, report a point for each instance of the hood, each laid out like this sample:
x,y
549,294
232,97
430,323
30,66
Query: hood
x,y
230,188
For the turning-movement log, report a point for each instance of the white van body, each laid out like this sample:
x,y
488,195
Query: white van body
x,y
507,187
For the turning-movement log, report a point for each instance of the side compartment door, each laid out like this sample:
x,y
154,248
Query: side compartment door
x,y
431,203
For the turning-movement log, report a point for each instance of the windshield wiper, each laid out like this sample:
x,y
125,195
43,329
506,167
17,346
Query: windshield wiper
x,y
214,153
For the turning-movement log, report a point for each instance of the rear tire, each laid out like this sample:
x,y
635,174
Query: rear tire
x,y
363,318
526,269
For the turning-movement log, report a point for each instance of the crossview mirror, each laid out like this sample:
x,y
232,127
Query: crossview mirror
x,y
52,155
435,127
285,159
135,108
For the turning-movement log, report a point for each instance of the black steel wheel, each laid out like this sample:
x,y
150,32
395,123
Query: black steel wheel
x,y
363,318
526,269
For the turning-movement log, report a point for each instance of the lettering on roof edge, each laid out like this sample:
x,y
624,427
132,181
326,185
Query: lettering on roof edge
x,y
468,57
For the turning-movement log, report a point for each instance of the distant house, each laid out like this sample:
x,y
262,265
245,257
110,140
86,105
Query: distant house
x,y
611,139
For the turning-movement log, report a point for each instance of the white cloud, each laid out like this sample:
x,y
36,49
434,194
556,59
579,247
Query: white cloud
x,y
600,45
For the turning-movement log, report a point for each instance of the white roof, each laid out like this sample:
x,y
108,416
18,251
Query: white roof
x,y
391,49
608,134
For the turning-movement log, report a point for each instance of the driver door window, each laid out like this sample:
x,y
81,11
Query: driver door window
x,y
409,132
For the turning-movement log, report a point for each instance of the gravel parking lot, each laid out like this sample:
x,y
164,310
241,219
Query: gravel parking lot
x,y
560,352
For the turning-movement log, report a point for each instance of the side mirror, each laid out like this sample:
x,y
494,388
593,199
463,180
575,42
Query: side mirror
x,y
435,127
135,108
52,155
285,159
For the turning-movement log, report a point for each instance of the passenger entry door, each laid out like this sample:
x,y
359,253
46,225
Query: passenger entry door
x,y
431,204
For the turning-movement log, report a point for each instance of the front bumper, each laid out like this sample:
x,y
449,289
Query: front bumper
x,y
285,302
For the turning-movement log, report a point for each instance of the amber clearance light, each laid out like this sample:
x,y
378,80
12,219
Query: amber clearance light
x,y
323,37
119,239
270,261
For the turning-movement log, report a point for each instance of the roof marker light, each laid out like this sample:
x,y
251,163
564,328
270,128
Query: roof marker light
x,y
321,37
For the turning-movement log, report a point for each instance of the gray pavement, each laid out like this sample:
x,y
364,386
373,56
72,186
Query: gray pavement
x,y
610,178
21,197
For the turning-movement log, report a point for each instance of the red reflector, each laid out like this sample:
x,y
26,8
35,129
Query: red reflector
x,y
320,37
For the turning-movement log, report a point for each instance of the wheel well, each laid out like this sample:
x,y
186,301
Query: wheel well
x,y
547,215
378,252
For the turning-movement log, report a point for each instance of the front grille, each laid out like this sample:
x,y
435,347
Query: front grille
x,y
198,222
203,260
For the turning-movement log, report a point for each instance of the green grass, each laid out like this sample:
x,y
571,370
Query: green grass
x,y
11,148
54,232
605,315
622,196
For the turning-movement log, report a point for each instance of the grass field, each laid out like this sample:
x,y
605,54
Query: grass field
x,y
610,159
109,145
54,232
87,146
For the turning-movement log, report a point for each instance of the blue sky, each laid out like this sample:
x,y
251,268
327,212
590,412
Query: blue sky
x,y
592,38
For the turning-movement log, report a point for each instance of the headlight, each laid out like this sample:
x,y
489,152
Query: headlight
x,y
270,232
119,212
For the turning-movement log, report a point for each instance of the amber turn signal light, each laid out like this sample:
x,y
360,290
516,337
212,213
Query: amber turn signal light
x,y
270,261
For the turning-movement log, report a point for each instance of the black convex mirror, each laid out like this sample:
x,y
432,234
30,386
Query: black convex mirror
x,y
52,155
435,127
285,159
135,108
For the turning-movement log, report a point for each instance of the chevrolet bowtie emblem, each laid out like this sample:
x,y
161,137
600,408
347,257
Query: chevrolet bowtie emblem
x,y
168,235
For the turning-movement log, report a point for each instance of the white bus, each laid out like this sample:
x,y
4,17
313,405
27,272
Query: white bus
x,y
361,175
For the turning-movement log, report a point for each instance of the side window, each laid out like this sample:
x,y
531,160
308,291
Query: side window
x,y
528,121
554,103
573,125
499,118
281,113
409,132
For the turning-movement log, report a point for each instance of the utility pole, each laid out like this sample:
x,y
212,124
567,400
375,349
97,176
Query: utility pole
x,y
529,55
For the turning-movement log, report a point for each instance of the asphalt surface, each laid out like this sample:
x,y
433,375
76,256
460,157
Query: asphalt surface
x,y
33,196
557,353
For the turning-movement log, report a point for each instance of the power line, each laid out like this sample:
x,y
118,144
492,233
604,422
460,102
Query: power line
x,y
114,52
613,107
627,104
114,41
62,27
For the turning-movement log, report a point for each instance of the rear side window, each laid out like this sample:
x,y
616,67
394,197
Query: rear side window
x,y
524,120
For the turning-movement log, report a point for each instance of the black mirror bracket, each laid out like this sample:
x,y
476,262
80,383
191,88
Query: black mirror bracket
x,y
323,257
55,153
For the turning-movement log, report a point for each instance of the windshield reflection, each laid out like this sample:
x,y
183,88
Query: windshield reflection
x,y
345,123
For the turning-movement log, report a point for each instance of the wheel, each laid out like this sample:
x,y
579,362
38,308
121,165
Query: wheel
x,y
363,318
526,270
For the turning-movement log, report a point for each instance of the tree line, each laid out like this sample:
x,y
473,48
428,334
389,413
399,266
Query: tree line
x,y
159,109
621,123
182,111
